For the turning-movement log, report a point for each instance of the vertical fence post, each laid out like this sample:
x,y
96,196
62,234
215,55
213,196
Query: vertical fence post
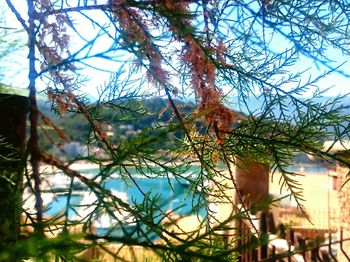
x,y
303,248
289,251
255,255
314,254
318,248
341,245
330,247
264,234
291,236
273,253
240,239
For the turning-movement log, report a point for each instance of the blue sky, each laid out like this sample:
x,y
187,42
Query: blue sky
x,y
17,63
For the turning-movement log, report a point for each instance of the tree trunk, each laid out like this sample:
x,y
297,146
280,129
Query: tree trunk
x,y
13,112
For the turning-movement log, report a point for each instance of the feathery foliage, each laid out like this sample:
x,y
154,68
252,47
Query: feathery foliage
x,y
206,50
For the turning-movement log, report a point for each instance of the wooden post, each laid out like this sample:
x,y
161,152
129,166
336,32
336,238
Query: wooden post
x,y
253,181
13,112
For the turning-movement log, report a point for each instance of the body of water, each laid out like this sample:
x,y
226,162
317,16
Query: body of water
x,y
171,194
307,169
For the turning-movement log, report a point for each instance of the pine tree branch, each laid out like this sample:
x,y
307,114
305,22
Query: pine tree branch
x,y
76,9
17,14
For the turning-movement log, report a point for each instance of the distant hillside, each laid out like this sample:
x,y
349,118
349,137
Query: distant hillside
x,y
127,117
255,103
124,118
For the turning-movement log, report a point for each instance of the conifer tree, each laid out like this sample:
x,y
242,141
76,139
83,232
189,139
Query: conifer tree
x,y
208,50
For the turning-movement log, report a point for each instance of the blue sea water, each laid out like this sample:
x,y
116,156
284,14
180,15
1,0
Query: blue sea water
x,y
307,169
172,195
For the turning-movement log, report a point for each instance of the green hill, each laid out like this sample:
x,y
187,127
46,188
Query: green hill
x,y
123,119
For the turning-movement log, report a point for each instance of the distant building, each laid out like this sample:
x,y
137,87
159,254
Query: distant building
x,y
73,149
108,129
342,172
320,193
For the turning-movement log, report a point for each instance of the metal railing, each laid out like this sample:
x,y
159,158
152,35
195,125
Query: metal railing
x,y
310,250
290,249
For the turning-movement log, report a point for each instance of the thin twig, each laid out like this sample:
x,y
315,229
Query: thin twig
x,y
18,15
